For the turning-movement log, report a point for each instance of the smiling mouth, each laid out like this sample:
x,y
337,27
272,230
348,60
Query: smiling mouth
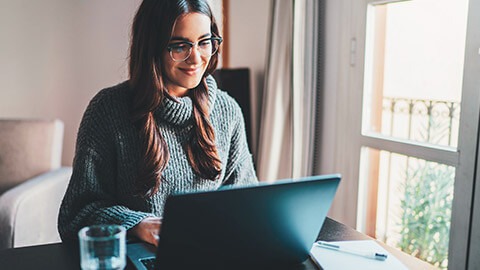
x,y
190,71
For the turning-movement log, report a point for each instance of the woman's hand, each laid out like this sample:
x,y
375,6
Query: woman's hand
x,y
148,229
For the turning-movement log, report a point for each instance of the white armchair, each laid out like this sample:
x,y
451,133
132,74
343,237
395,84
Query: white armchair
x,y
32,181
29,211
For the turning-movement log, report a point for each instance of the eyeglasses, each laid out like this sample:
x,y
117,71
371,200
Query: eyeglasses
x,y
181,51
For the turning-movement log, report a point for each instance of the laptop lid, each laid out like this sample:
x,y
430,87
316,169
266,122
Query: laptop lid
x,y
267,224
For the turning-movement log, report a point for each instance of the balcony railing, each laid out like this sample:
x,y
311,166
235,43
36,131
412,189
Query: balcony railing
x,y
431,121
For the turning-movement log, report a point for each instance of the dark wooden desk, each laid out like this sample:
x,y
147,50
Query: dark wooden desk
x,y
61,256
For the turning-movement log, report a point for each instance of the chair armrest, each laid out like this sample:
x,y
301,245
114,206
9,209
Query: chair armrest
x,y
29,211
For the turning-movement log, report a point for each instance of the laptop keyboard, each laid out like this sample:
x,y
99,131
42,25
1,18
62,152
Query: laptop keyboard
x,y
149,263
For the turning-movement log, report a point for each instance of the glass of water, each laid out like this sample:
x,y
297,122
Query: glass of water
x,y
102,247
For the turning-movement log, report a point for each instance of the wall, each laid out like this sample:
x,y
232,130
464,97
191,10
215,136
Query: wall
x,y
336,54
332,45
57,54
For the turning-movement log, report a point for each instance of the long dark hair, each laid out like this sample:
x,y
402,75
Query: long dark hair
x,y
151,31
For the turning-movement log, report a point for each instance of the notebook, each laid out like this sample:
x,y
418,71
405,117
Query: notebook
x,y
256,227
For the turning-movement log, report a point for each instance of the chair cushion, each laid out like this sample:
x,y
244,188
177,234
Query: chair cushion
x,y
28,148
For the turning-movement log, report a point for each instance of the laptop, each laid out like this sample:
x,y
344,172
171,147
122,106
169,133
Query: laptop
x,y
257,226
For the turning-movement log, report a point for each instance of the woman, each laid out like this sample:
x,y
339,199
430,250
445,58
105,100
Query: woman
x,y
167,129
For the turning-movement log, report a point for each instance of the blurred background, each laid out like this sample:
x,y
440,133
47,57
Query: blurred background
x,y
56,55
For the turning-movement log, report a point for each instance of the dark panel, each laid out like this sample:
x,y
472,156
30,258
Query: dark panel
x,y
236,82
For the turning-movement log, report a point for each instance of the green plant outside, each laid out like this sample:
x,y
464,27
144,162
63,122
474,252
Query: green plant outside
x,y
425,221
427,204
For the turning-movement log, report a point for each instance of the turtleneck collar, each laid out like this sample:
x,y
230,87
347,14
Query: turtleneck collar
x,y
179,110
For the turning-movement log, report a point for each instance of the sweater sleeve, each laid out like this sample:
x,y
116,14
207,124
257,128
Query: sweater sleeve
x,y
240,170
91,194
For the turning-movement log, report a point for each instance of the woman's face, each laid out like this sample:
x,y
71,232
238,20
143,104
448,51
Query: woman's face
x,y
184,75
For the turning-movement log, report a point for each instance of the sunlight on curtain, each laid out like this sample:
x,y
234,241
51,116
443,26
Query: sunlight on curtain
x,y
274,148
285,148
305,61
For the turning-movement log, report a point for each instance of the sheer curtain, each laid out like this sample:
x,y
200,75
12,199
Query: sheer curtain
x,y
286,136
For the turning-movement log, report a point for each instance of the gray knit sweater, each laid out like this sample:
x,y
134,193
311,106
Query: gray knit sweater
x,y
101,189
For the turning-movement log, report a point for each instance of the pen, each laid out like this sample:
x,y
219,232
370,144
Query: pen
x,y
370,255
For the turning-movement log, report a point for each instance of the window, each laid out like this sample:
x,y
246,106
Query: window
x,y
408,106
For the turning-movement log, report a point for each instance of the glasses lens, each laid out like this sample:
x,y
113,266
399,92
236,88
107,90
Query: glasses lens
x,y
208,47
180,52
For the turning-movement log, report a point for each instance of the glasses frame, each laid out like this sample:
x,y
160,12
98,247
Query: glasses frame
x,y
169,47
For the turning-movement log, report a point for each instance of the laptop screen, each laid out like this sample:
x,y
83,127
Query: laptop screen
x,y
259,225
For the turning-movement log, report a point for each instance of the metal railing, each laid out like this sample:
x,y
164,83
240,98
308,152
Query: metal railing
x,y
431,121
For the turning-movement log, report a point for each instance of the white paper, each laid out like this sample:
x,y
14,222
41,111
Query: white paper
x,y
330,259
